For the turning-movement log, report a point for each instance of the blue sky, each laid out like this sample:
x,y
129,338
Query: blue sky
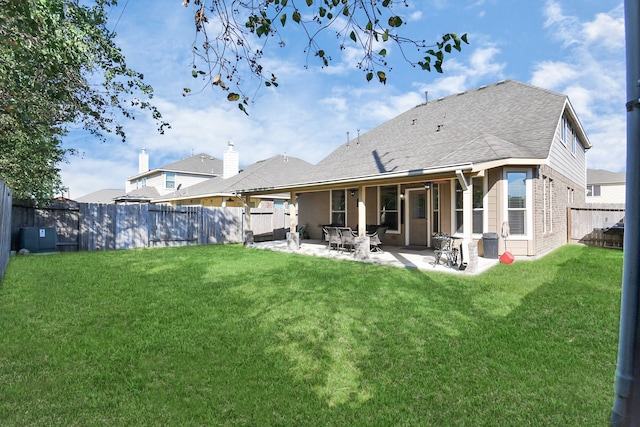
x,y
572,47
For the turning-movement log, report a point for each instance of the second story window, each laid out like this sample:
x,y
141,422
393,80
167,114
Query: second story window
x,y
169,180
593,190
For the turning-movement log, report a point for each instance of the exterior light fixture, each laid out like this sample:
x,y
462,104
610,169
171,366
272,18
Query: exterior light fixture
x,y
352,191
427,185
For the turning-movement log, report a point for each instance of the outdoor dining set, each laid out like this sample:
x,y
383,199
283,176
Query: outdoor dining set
x,y
344,238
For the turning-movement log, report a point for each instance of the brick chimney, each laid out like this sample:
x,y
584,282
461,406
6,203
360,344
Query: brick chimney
x,y
230,162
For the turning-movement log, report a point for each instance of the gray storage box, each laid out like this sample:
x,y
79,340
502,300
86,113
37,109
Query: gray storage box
x,y
38,239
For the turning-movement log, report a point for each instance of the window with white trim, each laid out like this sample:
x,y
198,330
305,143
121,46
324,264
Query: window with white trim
x,y
593,190
544,205
338,207
517,203
389,203
550,205
458,208
169,180
478,205
435,203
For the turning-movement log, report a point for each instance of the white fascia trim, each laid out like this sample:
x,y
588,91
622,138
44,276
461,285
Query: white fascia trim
x,y
468,167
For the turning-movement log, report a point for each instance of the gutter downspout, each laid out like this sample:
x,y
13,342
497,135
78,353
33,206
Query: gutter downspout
x,y
626,410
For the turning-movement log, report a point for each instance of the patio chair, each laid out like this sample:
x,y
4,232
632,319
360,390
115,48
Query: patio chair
x,y
334,238
376,239
444,249
302,231
348,238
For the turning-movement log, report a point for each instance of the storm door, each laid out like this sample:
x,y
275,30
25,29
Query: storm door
x,y
418,226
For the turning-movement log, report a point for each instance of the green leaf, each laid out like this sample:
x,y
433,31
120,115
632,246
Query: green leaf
x,y
447,48
194,73
283,19
284,2
464,38
369,76
322,11
382,77
233,97
385,35
369,26
395,21
383,52
296,16
320,53
244,110
352,36
385,3
309,3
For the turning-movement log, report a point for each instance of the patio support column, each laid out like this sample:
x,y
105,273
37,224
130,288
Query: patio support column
x,y
293,238
292,212
247,208
362,212
467,223
248,232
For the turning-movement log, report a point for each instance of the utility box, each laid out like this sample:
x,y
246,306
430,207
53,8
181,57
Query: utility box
x,y
490,244
38,239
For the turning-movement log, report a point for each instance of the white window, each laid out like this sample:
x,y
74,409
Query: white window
x,y
550,206
478,205
338,207
435,203
518,203
564,130
574,141
593,190
389,203
458,208
544,205
169,180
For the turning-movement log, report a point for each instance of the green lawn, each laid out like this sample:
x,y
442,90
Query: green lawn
x,y
225,335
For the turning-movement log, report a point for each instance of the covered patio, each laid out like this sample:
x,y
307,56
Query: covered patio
x,y
417,258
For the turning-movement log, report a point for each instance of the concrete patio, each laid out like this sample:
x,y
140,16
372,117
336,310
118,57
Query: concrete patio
x,y
405,257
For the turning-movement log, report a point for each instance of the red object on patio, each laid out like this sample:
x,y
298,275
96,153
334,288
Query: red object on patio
x,y
506,258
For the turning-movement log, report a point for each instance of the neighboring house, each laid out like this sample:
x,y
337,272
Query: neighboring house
x,y
221,191
101,196
467,164
605,186
167,179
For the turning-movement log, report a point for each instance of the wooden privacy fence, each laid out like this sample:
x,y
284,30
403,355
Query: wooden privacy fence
x,y
5,226
593,225
269,223
91,226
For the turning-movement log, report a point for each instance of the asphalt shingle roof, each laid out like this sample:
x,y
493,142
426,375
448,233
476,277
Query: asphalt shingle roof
x,y
601,176
504,120
198,163
274,171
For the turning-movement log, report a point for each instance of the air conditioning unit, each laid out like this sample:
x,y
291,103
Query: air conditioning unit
x,y
38,239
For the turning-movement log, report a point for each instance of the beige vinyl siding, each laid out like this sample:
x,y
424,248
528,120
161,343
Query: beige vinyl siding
x,y
562,159
314,210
